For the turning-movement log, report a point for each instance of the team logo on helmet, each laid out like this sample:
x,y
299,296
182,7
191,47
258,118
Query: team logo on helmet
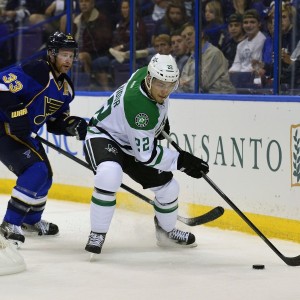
x,y
141,120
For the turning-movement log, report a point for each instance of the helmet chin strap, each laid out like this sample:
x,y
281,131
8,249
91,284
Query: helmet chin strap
x,y
148,78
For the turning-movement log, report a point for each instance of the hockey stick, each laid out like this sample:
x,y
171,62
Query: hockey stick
x,y
199,220
291,261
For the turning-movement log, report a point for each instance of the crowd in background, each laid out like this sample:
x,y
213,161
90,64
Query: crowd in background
x,y
236,40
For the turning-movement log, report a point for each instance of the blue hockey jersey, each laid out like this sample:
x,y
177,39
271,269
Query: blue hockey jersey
x,y
35,85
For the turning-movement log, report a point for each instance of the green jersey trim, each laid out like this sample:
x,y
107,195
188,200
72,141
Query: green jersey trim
x,y
140,111
165,211
103,203
159,157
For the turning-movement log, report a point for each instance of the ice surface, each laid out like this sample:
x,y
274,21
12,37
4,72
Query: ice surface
x,y
131,266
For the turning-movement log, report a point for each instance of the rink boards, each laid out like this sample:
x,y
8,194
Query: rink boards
x,y
252,147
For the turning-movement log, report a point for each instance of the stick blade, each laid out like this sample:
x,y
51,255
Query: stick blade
x,y
210,216
292,261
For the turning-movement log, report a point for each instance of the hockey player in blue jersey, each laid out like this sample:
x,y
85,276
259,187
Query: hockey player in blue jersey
x,y
31,95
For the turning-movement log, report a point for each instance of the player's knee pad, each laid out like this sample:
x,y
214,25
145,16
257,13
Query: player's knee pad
x,y
167,193
35,180
108,177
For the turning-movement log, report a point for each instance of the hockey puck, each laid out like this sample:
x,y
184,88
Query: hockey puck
x,y
258,267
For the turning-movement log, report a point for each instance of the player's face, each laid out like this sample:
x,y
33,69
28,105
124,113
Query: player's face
x,y
160,90
64,60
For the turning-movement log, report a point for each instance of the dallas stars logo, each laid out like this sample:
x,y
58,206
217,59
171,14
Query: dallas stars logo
x,y
141,120
111,149
155,59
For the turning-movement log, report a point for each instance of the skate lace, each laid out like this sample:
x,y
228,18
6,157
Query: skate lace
x,y
96,239
11,228
17,230
14,229
42,226
177,234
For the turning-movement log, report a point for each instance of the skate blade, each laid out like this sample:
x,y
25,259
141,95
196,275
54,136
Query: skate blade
x,y
15,244
31,231
164,244
93,257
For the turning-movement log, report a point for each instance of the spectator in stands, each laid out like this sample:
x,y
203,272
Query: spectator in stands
x,y
110,8
161,45
179,49
18,12
251,47
288,38
121,41
13,15
189,7
159,9
121,34
50,9
241,6
145,8
15,12
214,23
235,35
94,35
291,75
214,68
174,18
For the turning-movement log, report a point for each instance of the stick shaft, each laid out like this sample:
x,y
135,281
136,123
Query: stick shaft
x,y
85,164
202,219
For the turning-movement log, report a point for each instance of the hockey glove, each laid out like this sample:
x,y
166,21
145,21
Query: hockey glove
x,y
166,129
76,126
191,165
18,120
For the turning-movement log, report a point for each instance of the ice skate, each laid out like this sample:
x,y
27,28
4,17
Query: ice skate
x,y
174,238
95,242
41,228
12,233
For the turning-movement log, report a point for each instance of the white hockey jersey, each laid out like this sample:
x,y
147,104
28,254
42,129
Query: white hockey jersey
x,y
133,120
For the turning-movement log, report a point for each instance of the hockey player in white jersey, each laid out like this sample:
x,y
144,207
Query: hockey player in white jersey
x,y
122,137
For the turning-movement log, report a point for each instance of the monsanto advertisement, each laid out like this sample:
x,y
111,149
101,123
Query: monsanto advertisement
x,y
252,147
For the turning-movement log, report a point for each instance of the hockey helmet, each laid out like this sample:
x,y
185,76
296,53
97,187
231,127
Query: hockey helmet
x,y
60,40
164,68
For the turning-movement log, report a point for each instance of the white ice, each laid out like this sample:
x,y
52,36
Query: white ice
x,y
131,266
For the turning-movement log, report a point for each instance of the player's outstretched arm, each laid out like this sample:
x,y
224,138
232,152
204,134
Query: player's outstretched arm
x,y
69,126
